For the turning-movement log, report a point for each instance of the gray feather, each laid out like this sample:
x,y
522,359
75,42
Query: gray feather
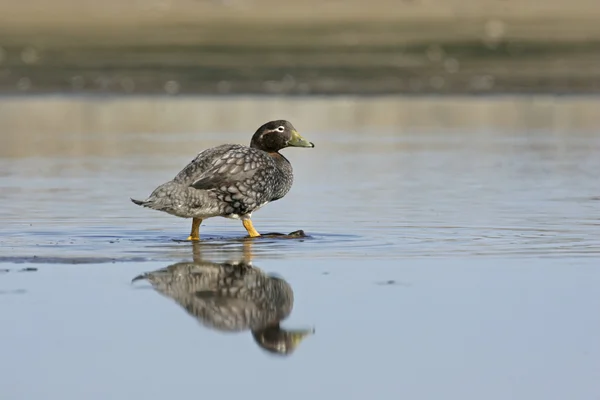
x,y
225,180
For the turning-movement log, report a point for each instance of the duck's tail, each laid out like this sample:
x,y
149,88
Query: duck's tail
x,y
161,198
152,202
170,197
139,202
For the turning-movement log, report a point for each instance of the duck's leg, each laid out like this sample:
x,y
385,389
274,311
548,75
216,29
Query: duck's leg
x,y
195,233
250,228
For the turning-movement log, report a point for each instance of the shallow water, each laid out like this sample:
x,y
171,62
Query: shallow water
x,y
442,260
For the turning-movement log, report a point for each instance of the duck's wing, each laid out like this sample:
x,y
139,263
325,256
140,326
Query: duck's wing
x,y
231,168
203,162
224,296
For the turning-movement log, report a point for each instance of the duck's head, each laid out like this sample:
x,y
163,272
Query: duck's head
x,y
276,135
279,341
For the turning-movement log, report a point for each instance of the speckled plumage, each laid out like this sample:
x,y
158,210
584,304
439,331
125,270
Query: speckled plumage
x,y
231,180
231,297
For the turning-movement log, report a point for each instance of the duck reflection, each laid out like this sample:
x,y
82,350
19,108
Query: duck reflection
x,y
232,297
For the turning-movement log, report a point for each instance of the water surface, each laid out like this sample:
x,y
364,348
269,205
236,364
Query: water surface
x,y
450,252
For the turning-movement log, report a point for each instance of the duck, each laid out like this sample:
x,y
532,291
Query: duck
x,y
231,180
232,296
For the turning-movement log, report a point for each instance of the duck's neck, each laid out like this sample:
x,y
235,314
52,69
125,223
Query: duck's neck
x,y
287,174
282,163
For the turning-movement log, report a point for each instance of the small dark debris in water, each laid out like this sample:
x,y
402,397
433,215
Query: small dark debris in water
x,y
296,234
16,291
326,273
68,260
292,235
392,282
28,269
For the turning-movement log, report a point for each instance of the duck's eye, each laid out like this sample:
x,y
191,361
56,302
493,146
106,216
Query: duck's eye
x,y
280,129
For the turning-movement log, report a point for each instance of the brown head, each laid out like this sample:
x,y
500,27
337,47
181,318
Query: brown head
x,y
279,341
276,135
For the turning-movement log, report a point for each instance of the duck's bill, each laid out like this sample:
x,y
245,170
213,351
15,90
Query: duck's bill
x,y
299,141
301,334
297,336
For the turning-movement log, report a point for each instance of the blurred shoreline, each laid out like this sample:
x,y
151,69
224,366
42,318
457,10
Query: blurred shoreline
x,y
324,48
40,119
